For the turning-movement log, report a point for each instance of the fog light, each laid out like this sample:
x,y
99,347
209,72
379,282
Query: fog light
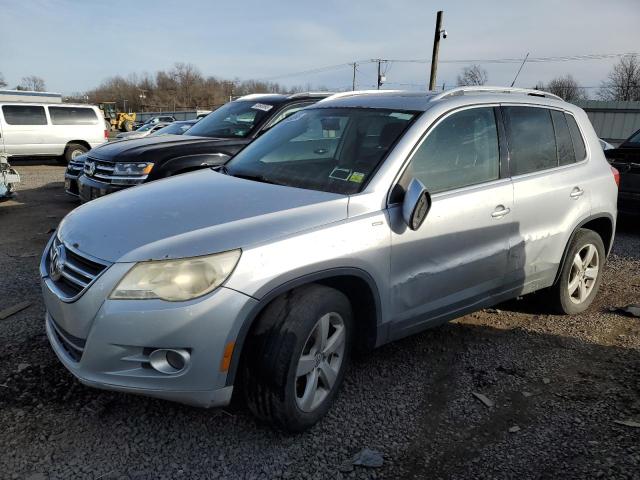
x,y
169,361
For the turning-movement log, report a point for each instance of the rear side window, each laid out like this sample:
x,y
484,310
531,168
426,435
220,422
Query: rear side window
x,y
24,115
578,142
566,154
532,143
73,116
460,151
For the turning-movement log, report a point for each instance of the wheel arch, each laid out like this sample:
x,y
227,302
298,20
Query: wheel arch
x,y
84,143
603,224
355,283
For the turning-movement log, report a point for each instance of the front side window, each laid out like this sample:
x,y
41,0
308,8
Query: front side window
x,y
461,150
73,116
24,115
233,120
327,149
531,139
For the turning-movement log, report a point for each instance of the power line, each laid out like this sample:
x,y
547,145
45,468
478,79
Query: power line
x,y
570,58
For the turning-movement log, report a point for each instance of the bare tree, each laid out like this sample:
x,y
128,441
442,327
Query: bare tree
x,y
565,87
623,82
33,83
473,75
2,81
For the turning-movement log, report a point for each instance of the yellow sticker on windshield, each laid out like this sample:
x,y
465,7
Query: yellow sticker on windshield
x,y
356,177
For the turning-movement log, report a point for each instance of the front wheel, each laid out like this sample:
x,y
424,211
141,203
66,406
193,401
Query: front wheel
x,y
297,355
581,273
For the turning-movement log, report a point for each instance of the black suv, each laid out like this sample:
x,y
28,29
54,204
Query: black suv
x,y
210,142
626,159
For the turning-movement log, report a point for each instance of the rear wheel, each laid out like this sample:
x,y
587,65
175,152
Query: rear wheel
x,y
297,355
127,126
581,273
72,151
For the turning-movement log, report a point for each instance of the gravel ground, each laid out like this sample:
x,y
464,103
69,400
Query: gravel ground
x,y
562,381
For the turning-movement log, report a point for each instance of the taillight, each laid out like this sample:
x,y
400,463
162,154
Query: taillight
x,y
106,134
616,175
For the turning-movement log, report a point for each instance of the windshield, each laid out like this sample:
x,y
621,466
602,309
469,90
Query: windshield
x,y
144,128
235,119
174,129
329,149
634,138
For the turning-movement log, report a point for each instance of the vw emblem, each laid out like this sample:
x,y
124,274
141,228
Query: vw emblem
x,y
57,260
89,168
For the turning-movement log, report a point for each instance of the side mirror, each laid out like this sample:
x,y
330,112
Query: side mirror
x,y
416,204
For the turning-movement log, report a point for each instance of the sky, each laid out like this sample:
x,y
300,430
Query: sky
x,y
75,44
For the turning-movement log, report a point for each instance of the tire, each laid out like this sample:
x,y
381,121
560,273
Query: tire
x,y
127,126
583,267
107,126
72,151
288,329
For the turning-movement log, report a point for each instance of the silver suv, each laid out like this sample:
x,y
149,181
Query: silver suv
x,y
359,220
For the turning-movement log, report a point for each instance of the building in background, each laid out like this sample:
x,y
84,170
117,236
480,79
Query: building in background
x,y
613,121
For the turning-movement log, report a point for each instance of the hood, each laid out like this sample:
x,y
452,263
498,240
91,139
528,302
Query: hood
x,y
163,147
130,135
194,214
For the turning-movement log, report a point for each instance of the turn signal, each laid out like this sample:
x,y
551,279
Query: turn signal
x,y
226,358
616,175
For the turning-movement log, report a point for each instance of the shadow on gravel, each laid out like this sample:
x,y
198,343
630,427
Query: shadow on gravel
x,y
411,400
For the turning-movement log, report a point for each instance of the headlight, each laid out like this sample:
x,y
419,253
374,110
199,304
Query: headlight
x,y
139,168
176,280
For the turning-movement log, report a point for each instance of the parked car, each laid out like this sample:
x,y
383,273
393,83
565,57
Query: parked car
x,y
74,170
211,141
8,179
64,130
352,223
154,120
142,132
175,128
605,145
626,158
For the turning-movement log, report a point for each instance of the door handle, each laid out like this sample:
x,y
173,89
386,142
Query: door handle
x,y
576,193
500,211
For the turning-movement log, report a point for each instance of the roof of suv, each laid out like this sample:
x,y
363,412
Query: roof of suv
x,y
422,101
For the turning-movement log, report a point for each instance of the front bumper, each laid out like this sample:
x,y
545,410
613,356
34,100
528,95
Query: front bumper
x,y
113,339
71,183
90,189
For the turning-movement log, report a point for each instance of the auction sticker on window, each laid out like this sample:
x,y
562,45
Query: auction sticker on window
x,y
262,106
356,177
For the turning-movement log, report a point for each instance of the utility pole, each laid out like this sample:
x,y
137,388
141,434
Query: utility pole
x,y
353,82
379,79
436,47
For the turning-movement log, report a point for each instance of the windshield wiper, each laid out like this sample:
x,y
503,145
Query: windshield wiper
x,y
256,178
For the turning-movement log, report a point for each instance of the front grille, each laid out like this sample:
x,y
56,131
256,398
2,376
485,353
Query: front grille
x,y
75,166
70,271
104,172
73,346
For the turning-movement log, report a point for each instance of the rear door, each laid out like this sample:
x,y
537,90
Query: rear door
x,y
24,129
74,123
551,194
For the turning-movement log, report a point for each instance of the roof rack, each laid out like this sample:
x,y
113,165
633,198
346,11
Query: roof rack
x,y
524,91
311,95
353,93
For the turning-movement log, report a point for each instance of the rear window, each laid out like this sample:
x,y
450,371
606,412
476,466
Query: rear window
x,y
566,155
578,142
24,115
531,138
73,116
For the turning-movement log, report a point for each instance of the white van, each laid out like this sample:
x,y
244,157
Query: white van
x,y
62,129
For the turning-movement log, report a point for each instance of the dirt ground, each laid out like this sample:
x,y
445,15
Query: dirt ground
x,y
558,385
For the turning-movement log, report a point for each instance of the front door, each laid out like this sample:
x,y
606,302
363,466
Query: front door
x,y
457,259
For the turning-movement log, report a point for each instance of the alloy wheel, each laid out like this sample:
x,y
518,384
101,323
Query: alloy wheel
x,y
584,273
